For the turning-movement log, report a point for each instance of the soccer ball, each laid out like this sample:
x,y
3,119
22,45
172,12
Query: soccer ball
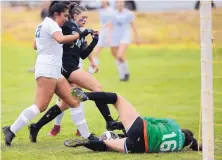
x,y
108,135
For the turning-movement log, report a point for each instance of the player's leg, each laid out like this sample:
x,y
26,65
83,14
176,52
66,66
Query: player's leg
x,y
44,92
130,118
57,122
63,91
127,112
120,66
87,81
120,55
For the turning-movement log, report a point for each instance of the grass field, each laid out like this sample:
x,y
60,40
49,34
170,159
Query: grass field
x,y
165,82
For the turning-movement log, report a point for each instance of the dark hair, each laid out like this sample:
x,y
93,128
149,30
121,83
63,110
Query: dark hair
x,y
58,7
74,8
190,140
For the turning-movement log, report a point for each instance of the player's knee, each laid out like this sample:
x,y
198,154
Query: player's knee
x,y
74,103
42,108
120,58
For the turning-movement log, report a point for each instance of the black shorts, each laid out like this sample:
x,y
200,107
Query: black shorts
x,y
135,137
68,68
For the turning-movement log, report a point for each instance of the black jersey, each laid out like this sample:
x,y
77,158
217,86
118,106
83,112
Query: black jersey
x,y
72,51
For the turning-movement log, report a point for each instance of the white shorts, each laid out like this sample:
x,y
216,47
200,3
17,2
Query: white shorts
x,y
102,38
47,70
119,37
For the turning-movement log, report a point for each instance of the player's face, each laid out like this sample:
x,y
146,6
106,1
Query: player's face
x,y
104,3
81,18
120,4
62,17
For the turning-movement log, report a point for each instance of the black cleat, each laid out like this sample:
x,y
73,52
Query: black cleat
x,y
114,125
92,137
8,135
33,133
76,92
127,76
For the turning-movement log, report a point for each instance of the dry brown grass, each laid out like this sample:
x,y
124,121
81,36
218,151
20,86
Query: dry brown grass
x,y
154,28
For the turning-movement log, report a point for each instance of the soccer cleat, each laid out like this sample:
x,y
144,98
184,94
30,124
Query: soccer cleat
x,y
8,135
79,94
92,137
54,131
127,76
33,133
76,142
113,125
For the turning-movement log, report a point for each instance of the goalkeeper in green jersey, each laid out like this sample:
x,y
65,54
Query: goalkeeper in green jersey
x,y
143,135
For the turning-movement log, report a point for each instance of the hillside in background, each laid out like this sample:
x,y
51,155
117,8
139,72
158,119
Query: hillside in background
x,y
154,28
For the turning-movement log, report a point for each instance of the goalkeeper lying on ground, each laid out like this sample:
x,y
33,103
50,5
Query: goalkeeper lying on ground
x,y
143,135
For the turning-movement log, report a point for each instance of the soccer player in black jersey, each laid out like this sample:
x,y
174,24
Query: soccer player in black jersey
x,y
71,54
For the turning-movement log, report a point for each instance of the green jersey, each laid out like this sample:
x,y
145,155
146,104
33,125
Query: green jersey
x,y
163,135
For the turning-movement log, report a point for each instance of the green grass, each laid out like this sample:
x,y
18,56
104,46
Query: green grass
x,y
165,82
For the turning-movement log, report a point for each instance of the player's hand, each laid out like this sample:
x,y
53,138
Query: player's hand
x,y
86,32
94,66
95,35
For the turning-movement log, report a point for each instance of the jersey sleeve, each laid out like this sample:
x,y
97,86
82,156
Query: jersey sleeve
x,y
66,30
54,27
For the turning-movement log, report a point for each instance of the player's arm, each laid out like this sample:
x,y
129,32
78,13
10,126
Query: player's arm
x,y
62,39
66,37
86,52
133,26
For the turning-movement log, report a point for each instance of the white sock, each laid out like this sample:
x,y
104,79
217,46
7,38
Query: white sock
x,y
27,115
125,67
58,119
91,70
82,106
120,69
80,121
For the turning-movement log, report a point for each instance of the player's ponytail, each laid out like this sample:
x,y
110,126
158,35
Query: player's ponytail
x,y
191,141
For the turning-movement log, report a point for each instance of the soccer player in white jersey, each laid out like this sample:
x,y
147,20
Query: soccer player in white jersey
x,y
106,12
48,42
120,37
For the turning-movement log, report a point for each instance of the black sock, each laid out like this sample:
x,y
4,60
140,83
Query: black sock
x,y
104,110
53,112
106,97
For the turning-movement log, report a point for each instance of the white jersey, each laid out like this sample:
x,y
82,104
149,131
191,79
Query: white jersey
x,y
122,20
48,49
121,27
106,15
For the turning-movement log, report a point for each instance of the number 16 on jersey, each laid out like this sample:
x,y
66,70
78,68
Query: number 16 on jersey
x,y
168,144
